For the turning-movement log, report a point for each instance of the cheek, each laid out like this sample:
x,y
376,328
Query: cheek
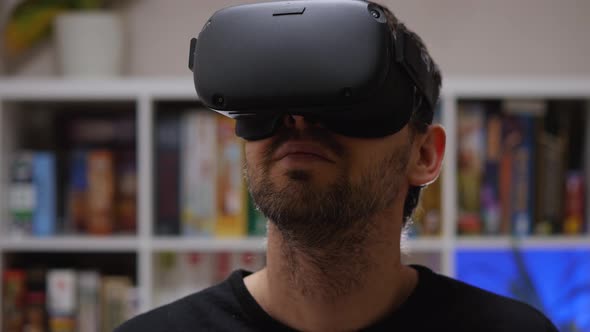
x,y
377,159
361,155
362,164
254,151
256,157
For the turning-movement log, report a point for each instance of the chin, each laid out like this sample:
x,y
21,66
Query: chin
x,y
299,175
310,177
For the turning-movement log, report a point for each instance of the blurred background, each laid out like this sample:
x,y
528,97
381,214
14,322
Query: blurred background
x,y
103,216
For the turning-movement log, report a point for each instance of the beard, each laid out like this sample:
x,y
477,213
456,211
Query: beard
x,y
311,216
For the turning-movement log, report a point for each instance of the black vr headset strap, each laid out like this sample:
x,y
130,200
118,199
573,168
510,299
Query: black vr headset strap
x,y
416,64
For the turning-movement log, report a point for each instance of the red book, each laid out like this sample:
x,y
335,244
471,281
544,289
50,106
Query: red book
x,y
13,300
101,192
574,203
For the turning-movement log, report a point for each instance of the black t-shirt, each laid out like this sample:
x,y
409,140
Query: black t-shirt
x,y
438,303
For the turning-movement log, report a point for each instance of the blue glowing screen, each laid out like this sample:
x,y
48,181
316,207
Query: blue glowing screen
x,y
555,281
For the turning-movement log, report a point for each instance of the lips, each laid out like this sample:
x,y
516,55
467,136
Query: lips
x,y
303,149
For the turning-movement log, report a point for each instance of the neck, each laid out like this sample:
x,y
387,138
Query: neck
x,y
343,285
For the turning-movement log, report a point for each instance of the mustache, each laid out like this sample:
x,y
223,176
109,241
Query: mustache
x,y
316,134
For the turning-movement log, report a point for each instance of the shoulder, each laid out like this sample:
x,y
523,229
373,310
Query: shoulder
x,y
197,310
152,321
478,309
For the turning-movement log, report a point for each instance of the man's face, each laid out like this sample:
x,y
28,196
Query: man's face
x,y
314,184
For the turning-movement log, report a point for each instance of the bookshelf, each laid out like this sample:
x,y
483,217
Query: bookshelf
x,y
142,97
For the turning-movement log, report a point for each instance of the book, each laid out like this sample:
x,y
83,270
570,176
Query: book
x,y
13,300
551,168
77,190
44,174
36,279
198,172
520,125
22,200
427,215
180,274
83,135
574,213
505,186
114,301
573,223
551,185
490,188
167,170
88,315
165,277
126,192
521,215
194,272
35,316
231,190
92,131
101,192
62,299
223,265
470,165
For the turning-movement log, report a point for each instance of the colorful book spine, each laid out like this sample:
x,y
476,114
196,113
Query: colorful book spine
x,y
574,208
222,266
427,216
167,175
132,302
194,273
126,192
550,176
490,191
77,201
13,300
166,277
470,166
551,185
522,121
114,297
101,192
61,299
35,316
506,162
88,318
522,215
198,185
231,191
44,173
22,200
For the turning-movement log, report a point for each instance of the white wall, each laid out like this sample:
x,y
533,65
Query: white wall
x,y
466,37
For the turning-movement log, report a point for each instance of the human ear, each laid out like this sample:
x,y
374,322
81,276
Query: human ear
x,y
429,149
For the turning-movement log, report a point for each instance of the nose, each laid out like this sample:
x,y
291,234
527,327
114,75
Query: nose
x,y
298,121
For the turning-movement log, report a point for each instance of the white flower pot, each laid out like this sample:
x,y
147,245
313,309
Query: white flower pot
x,y
90,44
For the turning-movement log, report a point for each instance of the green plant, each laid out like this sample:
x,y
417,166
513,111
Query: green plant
x,y
31,21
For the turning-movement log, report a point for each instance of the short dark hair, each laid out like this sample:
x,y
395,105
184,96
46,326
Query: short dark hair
x,y
422,116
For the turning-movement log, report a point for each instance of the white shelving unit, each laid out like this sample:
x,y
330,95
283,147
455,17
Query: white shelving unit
x,y
144,93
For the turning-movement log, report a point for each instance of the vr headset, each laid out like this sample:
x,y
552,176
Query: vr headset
x,y
335,62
